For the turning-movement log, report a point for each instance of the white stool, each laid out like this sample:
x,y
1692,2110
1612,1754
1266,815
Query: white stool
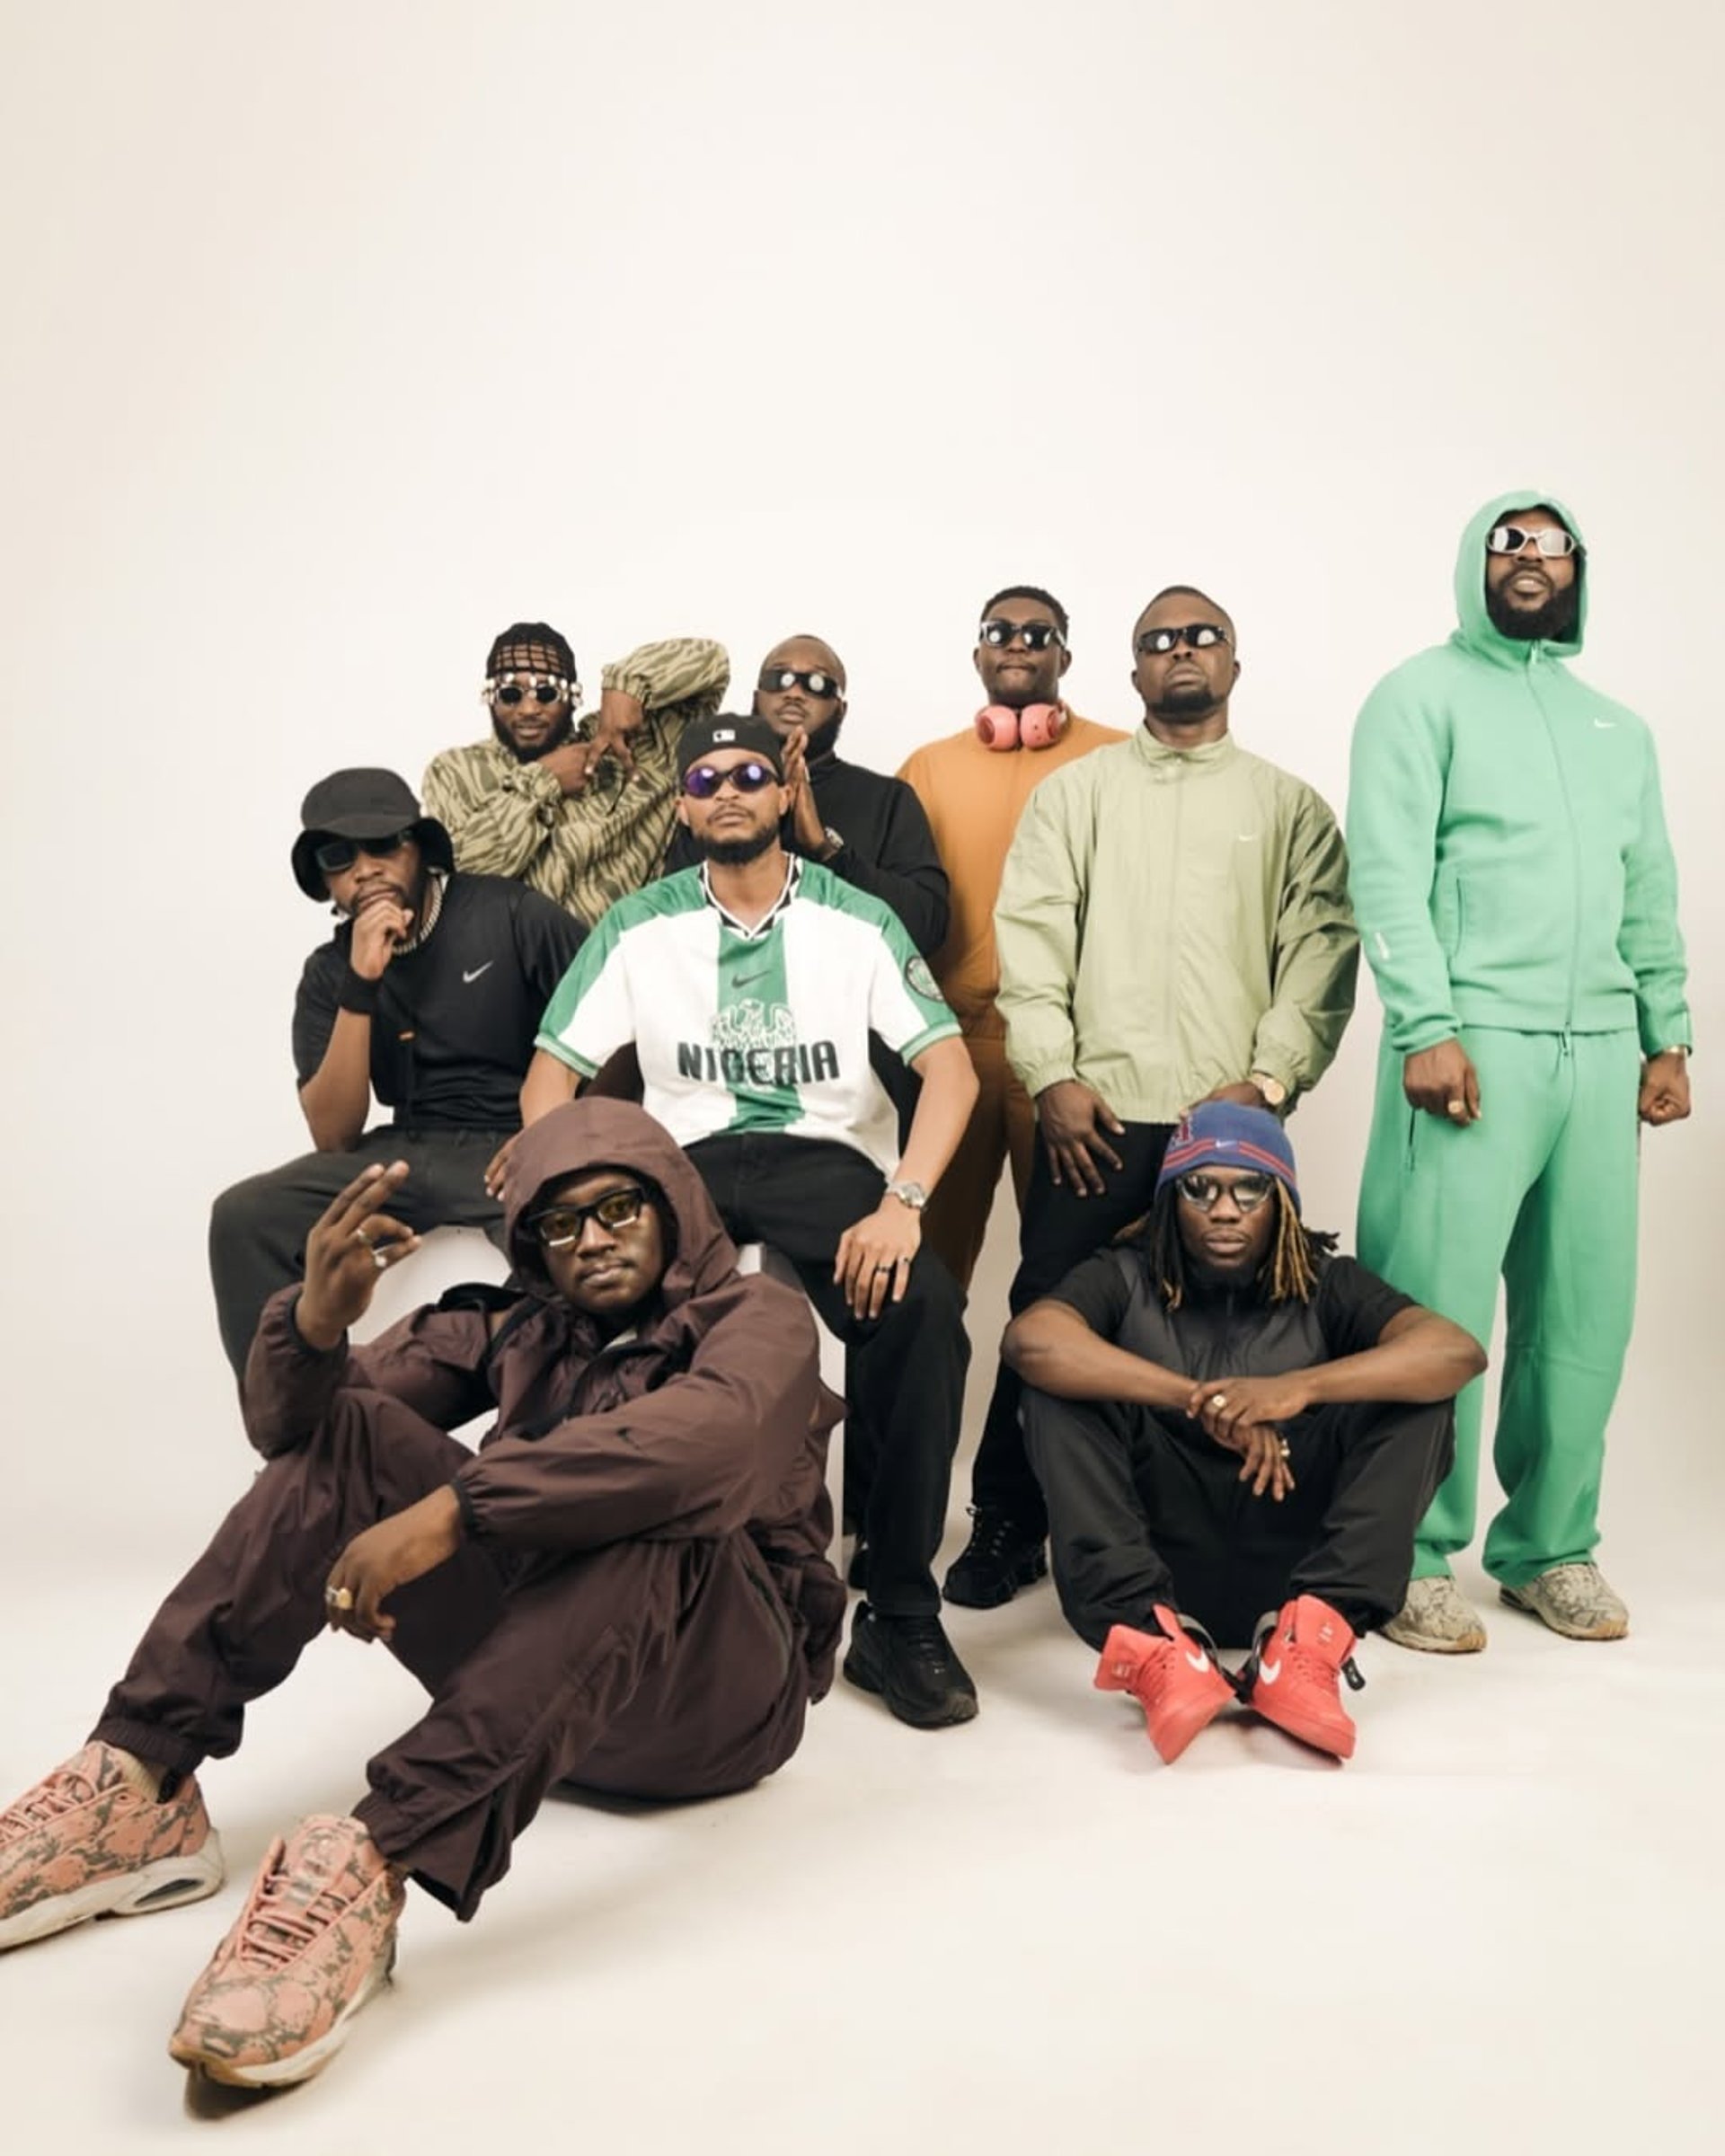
x,y
756,1258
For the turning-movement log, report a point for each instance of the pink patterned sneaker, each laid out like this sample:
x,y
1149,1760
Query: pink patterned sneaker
x,y
85,1842
315,1940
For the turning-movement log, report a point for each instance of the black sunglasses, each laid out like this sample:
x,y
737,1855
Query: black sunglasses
x,y
334,854
1035,636
558,1227
775,679
703,781
1200,636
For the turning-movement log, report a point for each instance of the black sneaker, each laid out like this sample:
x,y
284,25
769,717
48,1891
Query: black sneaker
x,y
999,1558
910,1663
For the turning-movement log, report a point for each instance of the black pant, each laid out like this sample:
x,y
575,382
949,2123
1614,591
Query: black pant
x,y
906,1367
258,1228
1057,1231
1146,1508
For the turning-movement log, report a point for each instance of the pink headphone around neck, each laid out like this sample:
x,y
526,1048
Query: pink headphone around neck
x,y
1037,726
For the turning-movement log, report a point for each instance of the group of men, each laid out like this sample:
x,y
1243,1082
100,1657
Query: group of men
x,y
844,1002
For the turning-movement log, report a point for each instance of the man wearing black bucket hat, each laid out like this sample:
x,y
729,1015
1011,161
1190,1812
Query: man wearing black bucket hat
x,y
427,995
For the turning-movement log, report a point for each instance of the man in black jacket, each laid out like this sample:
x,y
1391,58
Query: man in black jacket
x,y
427,995
866,828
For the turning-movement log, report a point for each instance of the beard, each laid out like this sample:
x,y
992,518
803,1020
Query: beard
x,y
1553,623
736,852
563,732
1193,703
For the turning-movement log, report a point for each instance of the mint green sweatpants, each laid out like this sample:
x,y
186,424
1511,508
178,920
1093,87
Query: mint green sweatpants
x,y
1541,1190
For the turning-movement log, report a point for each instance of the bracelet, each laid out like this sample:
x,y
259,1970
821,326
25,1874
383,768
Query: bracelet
x,y
358,994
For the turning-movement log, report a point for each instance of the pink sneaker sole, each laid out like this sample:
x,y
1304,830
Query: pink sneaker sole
x,y
305,2064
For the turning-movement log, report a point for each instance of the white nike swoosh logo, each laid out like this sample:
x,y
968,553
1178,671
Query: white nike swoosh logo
x,y
1245,837
1267,1671
1198,1660
1605,722
474,975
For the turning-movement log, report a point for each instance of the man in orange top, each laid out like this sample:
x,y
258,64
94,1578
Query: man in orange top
x,y
972,786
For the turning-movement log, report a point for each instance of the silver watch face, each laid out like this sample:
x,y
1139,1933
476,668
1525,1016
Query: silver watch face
x,y
909,1194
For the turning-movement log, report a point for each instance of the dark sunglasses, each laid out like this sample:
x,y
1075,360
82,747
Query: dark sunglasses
x,y
1035,636
702,780
560,1227
1248,1191
543,688
334,854
1510,538
776,679
1200,636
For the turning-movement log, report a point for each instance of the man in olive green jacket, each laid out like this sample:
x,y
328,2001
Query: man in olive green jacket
x,y
1519,901
1173,926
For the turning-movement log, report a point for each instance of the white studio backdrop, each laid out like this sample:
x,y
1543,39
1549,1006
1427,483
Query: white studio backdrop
x,y
338,336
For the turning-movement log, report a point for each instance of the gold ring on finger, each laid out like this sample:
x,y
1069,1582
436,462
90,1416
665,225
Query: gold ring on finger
x,y
1218,1399
338,1598
1287,1449
1458,1107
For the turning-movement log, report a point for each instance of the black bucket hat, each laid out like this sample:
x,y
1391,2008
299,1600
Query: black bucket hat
x,y
362,804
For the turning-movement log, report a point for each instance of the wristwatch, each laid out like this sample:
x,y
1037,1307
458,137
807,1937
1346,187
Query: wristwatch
x,y
834,844
1272,1089
909,1194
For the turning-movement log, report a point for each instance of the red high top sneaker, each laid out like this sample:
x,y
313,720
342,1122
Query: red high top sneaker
x,y
1295,1656
1172,1676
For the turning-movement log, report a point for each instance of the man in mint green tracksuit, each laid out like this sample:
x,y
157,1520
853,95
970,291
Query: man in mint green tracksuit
x,y
1517,900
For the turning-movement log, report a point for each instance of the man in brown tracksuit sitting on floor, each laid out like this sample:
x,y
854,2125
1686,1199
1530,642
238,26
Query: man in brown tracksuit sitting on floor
x,y
625,1588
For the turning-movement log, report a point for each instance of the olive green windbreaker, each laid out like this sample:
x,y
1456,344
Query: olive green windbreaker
x,y
1510,862
1170,921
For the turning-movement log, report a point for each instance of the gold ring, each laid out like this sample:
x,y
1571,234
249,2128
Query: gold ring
x,y
1218,1399
338,1598
1287,1449
1458,1107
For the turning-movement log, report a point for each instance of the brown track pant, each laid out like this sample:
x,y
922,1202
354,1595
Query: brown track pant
x,y
653,1669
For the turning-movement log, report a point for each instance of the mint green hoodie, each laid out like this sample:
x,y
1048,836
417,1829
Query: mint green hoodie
x,y
1509,862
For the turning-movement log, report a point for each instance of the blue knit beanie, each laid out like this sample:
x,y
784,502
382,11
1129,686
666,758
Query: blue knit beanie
x,y
1218,1133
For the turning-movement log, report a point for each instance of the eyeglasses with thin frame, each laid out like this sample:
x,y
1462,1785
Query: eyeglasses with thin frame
x,y
512,688
1552,541
701,782
1198,636
776,680
560,1227
1035,636
1247,1191
332,855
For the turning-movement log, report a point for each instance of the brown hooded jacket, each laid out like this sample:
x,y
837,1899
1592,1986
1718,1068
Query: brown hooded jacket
x,y
710,1419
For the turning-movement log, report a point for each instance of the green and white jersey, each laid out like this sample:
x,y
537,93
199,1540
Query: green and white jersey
x,y
763,1029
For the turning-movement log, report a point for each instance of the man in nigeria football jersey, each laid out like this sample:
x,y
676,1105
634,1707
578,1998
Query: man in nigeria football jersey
x,y
749,987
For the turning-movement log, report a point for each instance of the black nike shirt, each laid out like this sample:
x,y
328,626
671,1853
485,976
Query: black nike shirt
x,y
454,1029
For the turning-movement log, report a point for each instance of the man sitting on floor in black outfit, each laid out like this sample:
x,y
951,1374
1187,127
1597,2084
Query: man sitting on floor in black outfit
x,y
1228,1330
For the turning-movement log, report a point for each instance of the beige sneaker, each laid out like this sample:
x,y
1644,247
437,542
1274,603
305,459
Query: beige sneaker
x,y
315,1940
86,1842
1438,1618
1573,1600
